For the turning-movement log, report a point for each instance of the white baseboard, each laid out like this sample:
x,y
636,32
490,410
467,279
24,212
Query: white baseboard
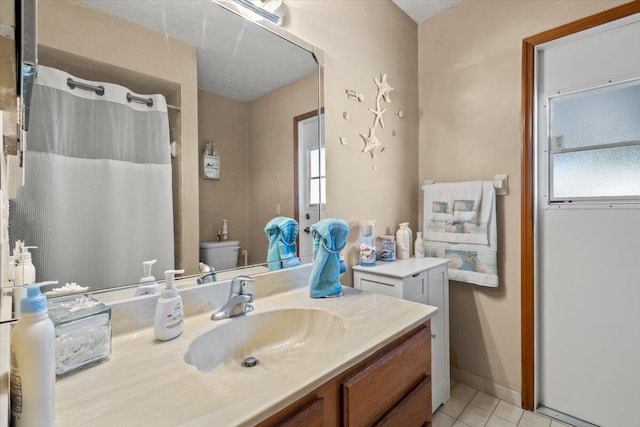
x,y
486,386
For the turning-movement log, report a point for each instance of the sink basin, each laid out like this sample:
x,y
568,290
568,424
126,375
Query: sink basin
x,y
274,338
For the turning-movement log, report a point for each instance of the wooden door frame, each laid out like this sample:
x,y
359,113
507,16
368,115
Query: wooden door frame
x,y
527,249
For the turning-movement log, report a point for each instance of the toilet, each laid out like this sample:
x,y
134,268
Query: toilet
x,y
220,255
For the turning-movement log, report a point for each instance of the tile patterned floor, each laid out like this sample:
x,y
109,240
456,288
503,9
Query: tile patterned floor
x,y
469,407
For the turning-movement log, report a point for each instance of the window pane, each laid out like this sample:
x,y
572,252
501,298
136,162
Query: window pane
x,y
314,191
317,191
314,166
602,116
604,172
323,191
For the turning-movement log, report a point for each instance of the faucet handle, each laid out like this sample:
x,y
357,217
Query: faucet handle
x,y
242,280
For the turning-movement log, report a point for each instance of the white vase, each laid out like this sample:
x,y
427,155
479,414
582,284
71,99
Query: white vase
x,y
403,241
419,246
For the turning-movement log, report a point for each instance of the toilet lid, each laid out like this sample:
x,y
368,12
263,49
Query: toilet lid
x,y
209,245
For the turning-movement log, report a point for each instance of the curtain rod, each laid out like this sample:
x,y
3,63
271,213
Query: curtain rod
x,y
99,90
147,101
74,84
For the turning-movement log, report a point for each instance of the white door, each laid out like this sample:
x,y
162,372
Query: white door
x,y
588,225
311,181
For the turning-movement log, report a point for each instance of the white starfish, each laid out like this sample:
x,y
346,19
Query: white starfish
x,y
371,143
383,88
378,118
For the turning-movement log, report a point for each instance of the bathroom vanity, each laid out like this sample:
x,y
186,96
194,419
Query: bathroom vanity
x,y
423,280
371,349
379,391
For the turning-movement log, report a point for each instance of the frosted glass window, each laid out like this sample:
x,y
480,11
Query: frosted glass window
x,y
604,172
596,117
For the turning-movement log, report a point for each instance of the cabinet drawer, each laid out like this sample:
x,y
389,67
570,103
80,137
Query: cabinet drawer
x,y
369,394
412,411
311,415
381,288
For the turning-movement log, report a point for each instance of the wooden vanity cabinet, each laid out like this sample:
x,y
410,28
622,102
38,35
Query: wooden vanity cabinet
x,y
390,388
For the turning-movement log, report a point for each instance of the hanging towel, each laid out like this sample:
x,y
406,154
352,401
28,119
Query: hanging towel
x,y
472,263
474,231
438,203
282,251
466,201
329,238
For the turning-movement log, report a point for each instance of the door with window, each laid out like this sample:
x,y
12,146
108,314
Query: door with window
x,y
311,180
588,226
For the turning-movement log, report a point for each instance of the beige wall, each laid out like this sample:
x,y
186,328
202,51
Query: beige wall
x,y
105,39
7,55
362,39
7,13
469,80
271,156
225,122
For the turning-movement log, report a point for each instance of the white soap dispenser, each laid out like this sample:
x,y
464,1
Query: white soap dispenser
x,y
33,362
225,230
168,322
148,284
24,274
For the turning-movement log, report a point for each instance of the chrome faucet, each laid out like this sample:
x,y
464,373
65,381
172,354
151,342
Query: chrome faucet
x,y
238,302
208,274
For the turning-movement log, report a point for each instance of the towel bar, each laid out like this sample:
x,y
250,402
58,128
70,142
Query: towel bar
x,y
500,183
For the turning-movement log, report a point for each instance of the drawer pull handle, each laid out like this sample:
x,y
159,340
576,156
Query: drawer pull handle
x,y
433,336
415,275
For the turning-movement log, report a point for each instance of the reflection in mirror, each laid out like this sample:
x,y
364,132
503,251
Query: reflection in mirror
x,y
9,134
129,98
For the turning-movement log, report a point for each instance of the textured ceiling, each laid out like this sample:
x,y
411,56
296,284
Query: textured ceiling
x,y
419,10
236,58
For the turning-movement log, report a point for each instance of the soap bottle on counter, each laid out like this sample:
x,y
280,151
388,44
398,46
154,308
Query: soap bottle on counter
x,y
168,321
403,241
148,284
33,362
367,243
24,274
419,246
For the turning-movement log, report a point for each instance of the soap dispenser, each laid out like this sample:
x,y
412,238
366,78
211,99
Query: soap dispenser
x,y
33,362
168,322
225,230
148,284
24,274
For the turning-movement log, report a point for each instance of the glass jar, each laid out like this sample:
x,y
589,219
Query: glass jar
x,y
83,332
387,248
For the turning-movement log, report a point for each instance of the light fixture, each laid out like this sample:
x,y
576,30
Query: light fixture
x,y
271,10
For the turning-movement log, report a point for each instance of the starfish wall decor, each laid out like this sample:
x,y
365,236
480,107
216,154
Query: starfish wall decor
x,y
371,142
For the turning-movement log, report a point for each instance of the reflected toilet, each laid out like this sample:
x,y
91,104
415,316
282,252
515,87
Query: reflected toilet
x,y
220,255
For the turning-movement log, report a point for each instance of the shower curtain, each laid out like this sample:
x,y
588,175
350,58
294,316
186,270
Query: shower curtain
x,y
97,199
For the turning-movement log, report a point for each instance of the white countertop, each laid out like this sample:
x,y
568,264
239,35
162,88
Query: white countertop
x,y
403,267
148,383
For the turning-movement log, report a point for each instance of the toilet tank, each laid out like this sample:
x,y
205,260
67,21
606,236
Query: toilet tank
x,y
220,255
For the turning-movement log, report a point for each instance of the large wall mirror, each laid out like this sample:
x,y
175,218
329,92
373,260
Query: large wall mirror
x,y
188,76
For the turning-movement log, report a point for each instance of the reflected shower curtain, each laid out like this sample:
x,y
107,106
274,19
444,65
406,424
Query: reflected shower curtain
x,y
97,199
